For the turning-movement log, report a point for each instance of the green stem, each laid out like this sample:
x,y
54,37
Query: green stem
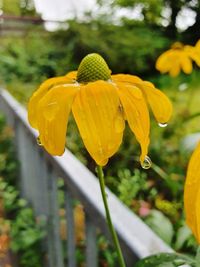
x,y
192,117
108,217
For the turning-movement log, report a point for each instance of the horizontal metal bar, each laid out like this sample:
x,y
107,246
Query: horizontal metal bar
x,y
136,238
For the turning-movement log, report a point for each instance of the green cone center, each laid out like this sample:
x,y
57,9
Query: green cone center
x,y
92,68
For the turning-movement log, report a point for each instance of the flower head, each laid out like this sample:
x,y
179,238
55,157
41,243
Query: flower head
x,y
100,103
178,58
192,194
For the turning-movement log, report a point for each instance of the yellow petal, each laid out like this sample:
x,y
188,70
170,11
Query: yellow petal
x,y
96,110
137,114
160,104
198,45
163,63
175,69
125,78
37,96
194,52
72,75
192,194
52,117
186,63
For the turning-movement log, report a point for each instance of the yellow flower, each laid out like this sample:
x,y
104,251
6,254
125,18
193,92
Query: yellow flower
x,y
178,58
192,194
100,104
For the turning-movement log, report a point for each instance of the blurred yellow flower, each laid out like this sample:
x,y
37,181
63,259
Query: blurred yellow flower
x,y
192,194
178,58
100,104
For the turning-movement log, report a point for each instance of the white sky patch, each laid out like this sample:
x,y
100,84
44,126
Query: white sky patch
x,y
61,10
134,13
166,13
185,18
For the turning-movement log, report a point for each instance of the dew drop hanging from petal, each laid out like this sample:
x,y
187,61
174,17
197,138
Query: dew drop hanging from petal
x,y
39,141
162,125
146,164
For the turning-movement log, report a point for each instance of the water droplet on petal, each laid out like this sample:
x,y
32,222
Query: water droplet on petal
x,y
146,164
162,125
101,151
39,141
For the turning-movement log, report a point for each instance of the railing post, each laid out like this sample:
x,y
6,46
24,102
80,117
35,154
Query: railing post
x,y
71,247
54,218
91,243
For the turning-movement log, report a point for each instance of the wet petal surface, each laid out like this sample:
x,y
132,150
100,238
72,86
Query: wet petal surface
x,y
96,110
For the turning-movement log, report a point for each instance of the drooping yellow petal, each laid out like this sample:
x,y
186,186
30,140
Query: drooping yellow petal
x,y
52,117
96,110
136,113
37,96
192,194
160,104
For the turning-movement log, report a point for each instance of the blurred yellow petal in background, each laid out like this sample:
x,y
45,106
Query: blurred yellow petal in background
x,y
192,194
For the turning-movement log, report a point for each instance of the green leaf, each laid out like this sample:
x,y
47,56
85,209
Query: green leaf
x,y
160,224
166,260
182,235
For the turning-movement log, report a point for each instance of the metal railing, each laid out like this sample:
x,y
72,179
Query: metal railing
x,y
38,183
12,24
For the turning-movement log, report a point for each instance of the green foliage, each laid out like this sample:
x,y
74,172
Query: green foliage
x,y
22,61
131,39
131,186
18,7
166,260
11,7
183,235
31,60
26,234
8,164
107,256
25,225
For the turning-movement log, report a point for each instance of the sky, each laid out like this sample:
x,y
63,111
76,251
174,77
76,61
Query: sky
x,y
63,9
